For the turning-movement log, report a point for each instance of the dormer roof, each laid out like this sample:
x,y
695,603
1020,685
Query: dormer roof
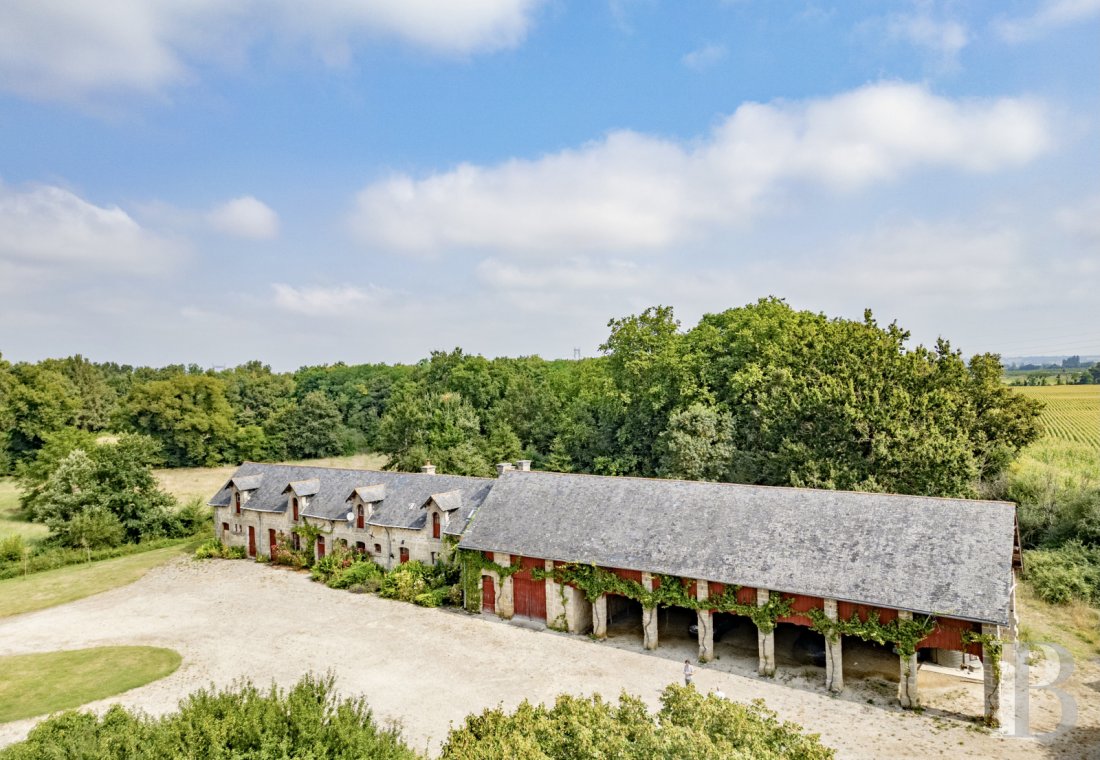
x,y
369,494
246,482
304,487
448,501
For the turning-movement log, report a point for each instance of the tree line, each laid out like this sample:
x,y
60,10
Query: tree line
x,y
761,394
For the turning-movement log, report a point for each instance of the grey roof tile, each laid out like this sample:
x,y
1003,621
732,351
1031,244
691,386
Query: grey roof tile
x,y
404,493
947,556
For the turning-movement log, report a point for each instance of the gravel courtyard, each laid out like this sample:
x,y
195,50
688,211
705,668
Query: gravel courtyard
x,y
428,668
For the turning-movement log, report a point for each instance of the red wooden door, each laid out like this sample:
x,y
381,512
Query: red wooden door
x,y
320,547
403,554
360,518
435,525
529,594
488,594
272,542
251,541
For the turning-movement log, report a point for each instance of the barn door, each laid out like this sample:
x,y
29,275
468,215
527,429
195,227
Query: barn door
x,y
251,541
488,594
529,594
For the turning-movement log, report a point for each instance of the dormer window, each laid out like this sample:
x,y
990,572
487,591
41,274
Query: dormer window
x,y
237,501
435,525
360,517
294,507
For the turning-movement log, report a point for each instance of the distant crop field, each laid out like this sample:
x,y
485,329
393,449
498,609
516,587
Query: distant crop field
x,y
1072,412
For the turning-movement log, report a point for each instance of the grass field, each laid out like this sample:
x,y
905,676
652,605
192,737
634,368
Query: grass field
x,y
37,684
9,514
1072,412
66,584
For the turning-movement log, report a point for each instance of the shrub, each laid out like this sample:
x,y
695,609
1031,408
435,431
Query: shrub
x,y
210,548
195,518
1061,575
235,552
308,721
406,582
329,565
263,559
433,598
357,574
11,548
688,724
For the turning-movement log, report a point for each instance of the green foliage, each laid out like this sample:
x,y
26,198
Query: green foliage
x,y
696,445
33,472
688,725
904,634
418,583
470,565
49,557
1070,572
307,721
107,495
36,401
235,552
362,573
187,414
212,548
12,548
313,427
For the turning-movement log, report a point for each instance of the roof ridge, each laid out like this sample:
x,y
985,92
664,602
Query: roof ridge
x,y
509,473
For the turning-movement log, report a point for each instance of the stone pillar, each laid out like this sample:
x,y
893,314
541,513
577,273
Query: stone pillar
x,y
506,606
907,686
599,617
705,623
992,665
578,612
649,617
765,641
834,657
555,601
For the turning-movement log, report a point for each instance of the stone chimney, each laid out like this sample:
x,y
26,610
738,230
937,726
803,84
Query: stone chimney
x,y
524,465
503,467
428,468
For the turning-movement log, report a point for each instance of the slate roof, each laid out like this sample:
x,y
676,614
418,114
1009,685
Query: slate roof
x,y
947,556
404,493
247,482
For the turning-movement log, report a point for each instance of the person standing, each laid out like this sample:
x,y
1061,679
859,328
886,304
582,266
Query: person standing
x,y
689,672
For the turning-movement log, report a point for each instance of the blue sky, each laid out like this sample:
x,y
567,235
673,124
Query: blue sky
x,y
368,181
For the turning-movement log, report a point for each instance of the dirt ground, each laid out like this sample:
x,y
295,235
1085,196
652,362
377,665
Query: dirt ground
x,y
426,669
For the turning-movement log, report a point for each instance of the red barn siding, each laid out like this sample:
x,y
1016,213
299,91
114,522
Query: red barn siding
x,y
627,575
529,594
746,595
948,635
844,611
801,604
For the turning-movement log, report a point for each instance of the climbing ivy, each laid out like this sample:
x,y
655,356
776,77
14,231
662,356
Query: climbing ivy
x,y
904,634
308,533
472,563
993,646
670,591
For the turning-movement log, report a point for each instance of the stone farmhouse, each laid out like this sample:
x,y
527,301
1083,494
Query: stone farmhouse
x,y
842,555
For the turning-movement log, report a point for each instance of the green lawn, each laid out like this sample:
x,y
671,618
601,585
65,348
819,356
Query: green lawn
x,y
9,513
46,589
37,684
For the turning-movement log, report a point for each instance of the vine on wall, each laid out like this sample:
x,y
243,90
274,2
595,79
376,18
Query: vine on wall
x,y
904,634
993,646
472,563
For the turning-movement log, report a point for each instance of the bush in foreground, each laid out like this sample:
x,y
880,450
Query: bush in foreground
x,y
688,725
308,721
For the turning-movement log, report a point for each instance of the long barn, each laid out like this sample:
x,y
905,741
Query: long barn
x,y
842,558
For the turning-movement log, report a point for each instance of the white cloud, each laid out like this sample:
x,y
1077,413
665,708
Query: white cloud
x,y
245,217
1082,220
632,191
1052,14
704,57
67,50
320,301
944,39
49,227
